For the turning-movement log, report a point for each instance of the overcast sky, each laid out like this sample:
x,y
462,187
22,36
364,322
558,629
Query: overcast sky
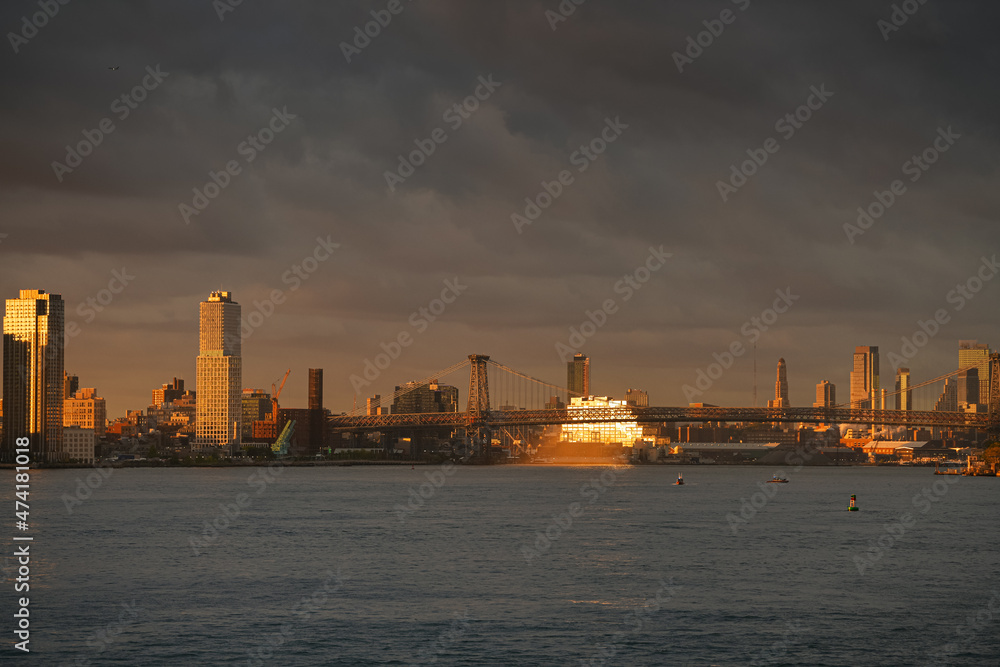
x,y
555,84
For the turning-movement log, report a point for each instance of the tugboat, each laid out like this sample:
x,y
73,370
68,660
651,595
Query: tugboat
x,y
680,480
777,480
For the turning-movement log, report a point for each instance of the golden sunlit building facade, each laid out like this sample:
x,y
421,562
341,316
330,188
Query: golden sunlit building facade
x,y
33,376
579,430
220,373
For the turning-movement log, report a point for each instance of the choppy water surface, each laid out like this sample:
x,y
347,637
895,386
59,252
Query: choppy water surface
x,y
345,566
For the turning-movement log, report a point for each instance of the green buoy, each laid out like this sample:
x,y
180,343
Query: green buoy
x,y
852,507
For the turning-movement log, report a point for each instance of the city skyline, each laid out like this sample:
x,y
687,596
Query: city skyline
x,y
332,262
398,331
227,327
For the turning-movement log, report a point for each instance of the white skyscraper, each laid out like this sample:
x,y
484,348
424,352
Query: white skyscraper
x,y
220,370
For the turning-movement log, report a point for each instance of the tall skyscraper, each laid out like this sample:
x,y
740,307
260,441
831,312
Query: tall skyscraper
x,y
826,395
904,395
971,353
968,386
864,377
71,384
578,375
220,371
948,401
33,374
780,388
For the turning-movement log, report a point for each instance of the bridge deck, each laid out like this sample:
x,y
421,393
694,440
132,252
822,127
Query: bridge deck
x,y
498,418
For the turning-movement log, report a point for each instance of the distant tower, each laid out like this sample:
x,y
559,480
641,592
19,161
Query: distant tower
x,y
33,374
317,422
864,377
637,397
578,375
315,388
904,395
220,371
826,395
71,385
948,401
971,353
780,388
968,387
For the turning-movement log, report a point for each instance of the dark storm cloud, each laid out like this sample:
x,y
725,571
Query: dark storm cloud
x,y
656,184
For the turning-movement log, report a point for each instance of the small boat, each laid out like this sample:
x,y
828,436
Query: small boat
x,y
777,480
680,480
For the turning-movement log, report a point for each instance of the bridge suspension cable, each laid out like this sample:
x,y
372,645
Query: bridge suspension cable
x,y
916,386
410,386
535,380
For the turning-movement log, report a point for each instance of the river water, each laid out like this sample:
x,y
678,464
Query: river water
x,y
509,565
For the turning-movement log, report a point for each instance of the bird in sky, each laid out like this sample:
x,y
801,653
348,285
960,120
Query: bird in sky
x,y
113,68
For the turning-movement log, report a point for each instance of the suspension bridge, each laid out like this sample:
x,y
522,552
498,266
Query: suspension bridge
x,y
520,400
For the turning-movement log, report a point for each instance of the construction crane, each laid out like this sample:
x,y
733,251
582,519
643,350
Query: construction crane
x,y
280,446
268,428
274,397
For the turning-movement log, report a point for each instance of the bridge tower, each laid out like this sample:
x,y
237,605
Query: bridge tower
x,y
479,387
479,403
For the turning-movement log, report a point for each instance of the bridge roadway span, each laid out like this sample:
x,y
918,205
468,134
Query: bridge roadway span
x,y
501,418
